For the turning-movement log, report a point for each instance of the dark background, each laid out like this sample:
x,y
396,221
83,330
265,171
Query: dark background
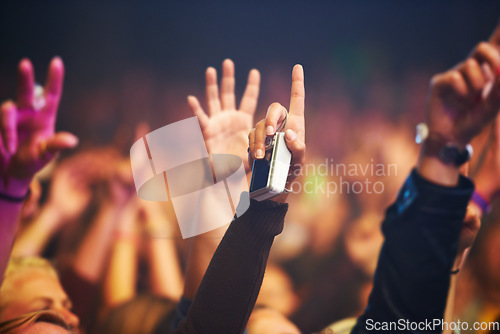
x,y
138,61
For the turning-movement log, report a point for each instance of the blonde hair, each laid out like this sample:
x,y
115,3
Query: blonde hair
x,y
18,265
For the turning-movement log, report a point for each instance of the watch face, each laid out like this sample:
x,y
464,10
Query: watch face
x,y
451,154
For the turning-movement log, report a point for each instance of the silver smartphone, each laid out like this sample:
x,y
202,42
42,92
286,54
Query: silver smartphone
x,y
270,173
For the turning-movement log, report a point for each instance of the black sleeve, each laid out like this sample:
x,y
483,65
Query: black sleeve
x,y
411,282
229,289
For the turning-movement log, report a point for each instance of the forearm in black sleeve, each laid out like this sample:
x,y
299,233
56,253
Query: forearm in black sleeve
x,y
421,236
229,289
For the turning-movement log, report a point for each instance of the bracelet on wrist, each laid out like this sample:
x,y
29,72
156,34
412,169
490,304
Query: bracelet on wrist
x,y
483,204
15,199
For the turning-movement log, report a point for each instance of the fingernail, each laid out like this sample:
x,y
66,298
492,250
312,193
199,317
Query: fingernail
x,y
269,130
290,135
259,154
73,140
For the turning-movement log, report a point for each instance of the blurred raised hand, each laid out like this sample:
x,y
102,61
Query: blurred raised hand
x,y
75,179
462,101
28,140
226,127
27,143
467,97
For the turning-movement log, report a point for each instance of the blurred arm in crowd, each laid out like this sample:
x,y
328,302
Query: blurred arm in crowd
x,y
425,229
143,226
28,142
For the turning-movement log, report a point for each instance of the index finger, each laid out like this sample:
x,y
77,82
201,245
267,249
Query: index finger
x,y
495,36
298,93
25,83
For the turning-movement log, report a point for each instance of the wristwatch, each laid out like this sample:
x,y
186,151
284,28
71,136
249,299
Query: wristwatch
x,y
436,145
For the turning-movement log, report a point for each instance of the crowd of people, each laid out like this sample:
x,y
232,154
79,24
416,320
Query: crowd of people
x,y
381,233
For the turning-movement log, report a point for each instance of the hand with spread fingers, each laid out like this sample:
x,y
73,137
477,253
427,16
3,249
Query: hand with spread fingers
x,y
28,140
225,128
294,130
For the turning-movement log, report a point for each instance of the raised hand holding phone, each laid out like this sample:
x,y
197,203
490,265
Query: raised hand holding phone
x,y
293,137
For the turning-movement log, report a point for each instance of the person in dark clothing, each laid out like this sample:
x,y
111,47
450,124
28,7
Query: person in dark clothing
x,y
423,227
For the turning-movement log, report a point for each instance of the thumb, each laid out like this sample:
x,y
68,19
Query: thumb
x,y
60,141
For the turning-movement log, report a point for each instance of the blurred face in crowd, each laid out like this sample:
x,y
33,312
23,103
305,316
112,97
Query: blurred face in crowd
x,y
32,290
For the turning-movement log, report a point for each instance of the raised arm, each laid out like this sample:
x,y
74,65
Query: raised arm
x,y
27,143
229,289
165,273
422,228
119,284
225,130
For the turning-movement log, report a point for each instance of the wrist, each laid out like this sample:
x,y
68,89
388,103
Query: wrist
x,y
447,150
439,124
485,187
434,170
283,197
441,155
481,203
